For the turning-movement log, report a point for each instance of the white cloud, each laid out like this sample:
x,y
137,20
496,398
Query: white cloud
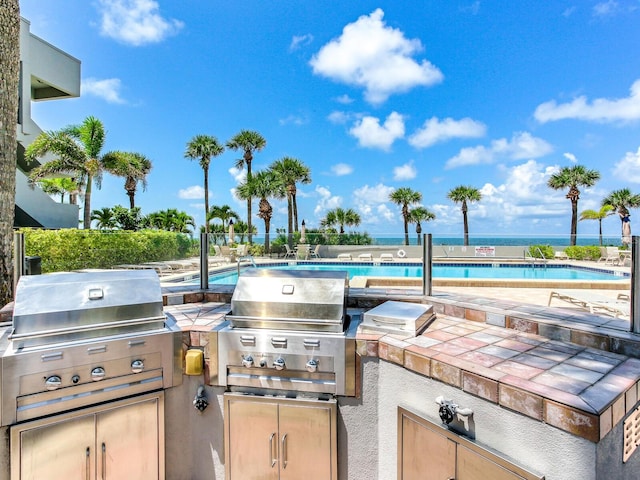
x,y
434,131
571,157
372,204
326,202
628,168
599,110
344,99
338,117
606,9
299,41
378,58
194,192
238,174
473,9
294,120
136,22
371,134
341,169
522,145
107,89
405,172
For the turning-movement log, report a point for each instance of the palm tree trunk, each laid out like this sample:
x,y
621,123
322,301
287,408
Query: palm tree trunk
x,y
600,222
267,228
290,220
465,221
206,199
574,221
10,68
295,211
86,222
249,227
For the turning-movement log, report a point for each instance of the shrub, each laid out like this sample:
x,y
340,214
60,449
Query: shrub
x,y
577,252
72,249
541,251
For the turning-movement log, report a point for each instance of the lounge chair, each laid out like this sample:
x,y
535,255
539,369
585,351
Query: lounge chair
x,y
365,257
315,253
344,256
386,257
561,255
289,252
619,308
609,255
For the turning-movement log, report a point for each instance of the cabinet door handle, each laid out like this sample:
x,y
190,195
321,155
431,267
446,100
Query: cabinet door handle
x,y
284,451
272,449
104,461
88,464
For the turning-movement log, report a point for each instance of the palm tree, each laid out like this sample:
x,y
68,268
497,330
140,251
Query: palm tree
x,y
202,148
417,215
103,218
573,177
341,217
249,142
621,201
291,171
134,167
77,149
599,215
463,194
224,213
264,185
404,196
10,68
59,186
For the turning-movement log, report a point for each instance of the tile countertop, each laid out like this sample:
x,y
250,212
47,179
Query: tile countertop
x,y
582,390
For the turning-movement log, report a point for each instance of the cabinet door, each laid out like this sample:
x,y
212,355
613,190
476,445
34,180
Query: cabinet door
x,y
127,439
307,441
252,440
60,451
473,466
424,453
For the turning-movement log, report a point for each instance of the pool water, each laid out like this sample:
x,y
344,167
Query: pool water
x,y
486,271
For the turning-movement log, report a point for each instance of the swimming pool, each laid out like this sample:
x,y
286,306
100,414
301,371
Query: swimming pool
x,y
506,271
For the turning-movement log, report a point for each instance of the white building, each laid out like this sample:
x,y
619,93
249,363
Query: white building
x,y
46,73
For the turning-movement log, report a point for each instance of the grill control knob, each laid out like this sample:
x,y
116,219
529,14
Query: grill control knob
x,y
97,374
312,365
247,361
278,363
137,366
53,382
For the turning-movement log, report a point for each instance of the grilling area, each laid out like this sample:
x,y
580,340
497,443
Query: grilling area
x,y
296,375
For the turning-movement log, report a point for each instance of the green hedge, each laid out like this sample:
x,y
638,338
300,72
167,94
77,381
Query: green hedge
x,y
583,253
71,249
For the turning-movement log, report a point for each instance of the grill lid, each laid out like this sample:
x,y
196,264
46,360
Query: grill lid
x,y
71,306
290,299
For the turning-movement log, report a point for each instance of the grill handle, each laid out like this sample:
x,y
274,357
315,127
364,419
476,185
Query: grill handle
x,y
98,326
272,449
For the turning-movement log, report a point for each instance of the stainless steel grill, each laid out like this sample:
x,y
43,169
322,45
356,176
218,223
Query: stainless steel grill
x,y
287,331
80,339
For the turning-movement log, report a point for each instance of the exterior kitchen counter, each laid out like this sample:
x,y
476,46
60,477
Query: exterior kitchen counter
x,y
578,389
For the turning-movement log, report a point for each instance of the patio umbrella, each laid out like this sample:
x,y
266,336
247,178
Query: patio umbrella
x,y
231,233
303,233
626,230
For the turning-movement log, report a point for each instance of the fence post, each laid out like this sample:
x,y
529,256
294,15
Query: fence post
x,y
204,261
18,258
427,257
635,288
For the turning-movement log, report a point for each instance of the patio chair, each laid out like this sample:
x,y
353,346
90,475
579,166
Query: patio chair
x,y
619,308
315,253
365,257
344,256
386,257
609,255
289,252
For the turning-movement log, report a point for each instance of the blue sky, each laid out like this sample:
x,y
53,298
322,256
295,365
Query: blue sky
x,y
372,96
